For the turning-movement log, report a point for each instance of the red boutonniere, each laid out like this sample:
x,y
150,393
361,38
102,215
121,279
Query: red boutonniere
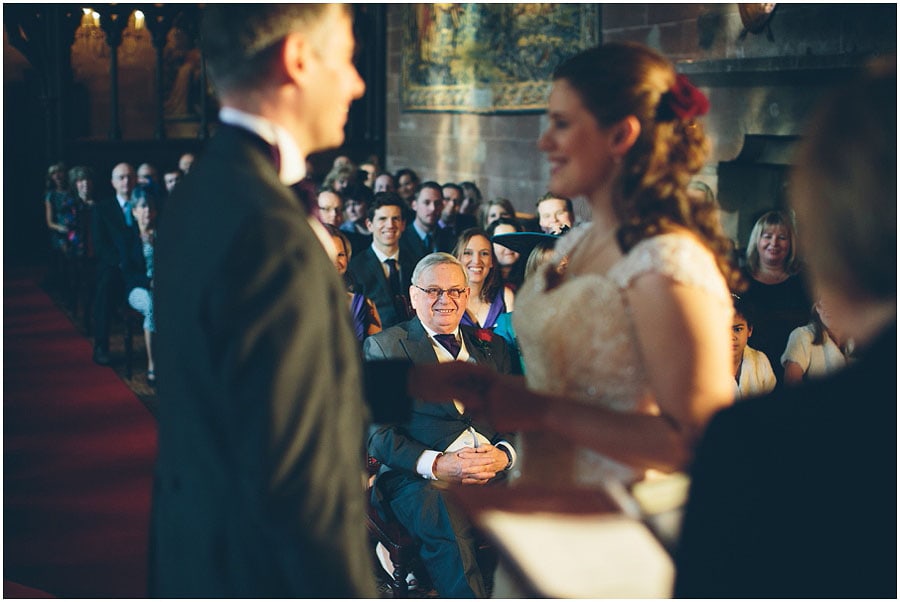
x,y
483,338
683,101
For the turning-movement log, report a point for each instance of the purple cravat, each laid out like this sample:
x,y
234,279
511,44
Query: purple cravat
x,y
449,342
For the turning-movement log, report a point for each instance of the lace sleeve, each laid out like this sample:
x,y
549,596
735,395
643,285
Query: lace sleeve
x,y
677,256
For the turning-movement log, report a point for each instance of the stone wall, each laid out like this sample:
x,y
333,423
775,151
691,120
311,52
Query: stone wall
x,y
758,83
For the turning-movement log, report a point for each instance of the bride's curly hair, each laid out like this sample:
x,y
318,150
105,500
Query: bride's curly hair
x,y
651,197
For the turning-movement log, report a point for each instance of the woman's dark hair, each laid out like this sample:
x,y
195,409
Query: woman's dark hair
x,y
617,80
509,221
516,274
493,282
80,172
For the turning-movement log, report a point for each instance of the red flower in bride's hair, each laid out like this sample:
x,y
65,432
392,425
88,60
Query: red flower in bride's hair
x,y
684,100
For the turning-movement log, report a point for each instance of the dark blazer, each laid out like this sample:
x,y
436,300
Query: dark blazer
x,y
133,263
258,489
794,495
463,222
358,242
415,246
108,229
367,277
432,425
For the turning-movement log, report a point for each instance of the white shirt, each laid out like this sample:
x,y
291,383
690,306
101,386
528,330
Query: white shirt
x,y
469,437
292,166
382,258
756,375
815,360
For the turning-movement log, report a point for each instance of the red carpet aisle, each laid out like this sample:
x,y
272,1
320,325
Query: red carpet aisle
x,y
78,451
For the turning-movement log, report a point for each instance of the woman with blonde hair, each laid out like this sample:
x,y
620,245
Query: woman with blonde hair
x,y
775,285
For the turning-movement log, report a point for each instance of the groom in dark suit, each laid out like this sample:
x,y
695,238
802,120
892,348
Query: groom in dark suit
x,y
258,490
440,443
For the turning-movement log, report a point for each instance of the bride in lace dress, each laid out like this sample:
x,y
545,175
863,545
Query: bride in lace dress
x,y
626,333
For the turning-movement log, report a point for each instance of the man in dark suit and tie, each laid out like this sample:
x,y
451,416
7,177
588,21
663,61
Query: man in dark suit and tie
x,y
424,235
382,272
110,222
440,443
258,490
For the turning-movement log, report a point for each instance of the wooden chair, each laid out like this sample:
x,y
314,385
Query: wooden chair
x,y
403,548
400,544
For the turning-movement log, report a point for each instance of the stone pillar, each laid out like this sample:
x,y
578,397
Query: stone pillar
x,y
159,22
114,20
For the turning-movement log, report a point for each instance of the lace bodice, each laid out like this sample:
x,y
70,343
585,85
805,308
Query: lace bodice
x,y
577,339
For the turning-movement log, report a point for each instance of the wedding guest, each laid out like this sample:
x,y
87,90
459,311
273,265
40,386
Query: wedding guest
x,y
363,312
137,268
555,215
340,177
441,444
58,211
753,374
329,208
817,349
407,182
794,495
511,263
496,209
384,182
357,200
148,178
111,219
776,288
171,179
81,182
471,203
81,190
186,162
488,294
382,271
451,217
425,235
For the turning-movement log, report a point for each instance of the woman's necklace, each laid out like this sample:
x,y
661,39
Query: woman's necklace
x,y
586,250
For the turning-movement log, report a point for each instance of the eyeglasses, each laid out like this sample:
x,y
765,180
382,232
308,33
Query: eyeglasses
x,y
434,293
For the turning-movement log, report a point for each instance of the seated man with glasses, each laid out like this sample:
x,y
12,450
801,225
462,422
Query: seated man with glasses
x,y
440,442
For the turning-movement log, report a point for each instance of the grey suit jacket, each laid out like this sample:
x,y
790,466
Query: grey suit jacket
x,y
431,426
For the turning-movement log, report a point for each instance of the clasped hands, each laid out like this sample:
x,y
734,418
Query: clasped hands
x,y
470,465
